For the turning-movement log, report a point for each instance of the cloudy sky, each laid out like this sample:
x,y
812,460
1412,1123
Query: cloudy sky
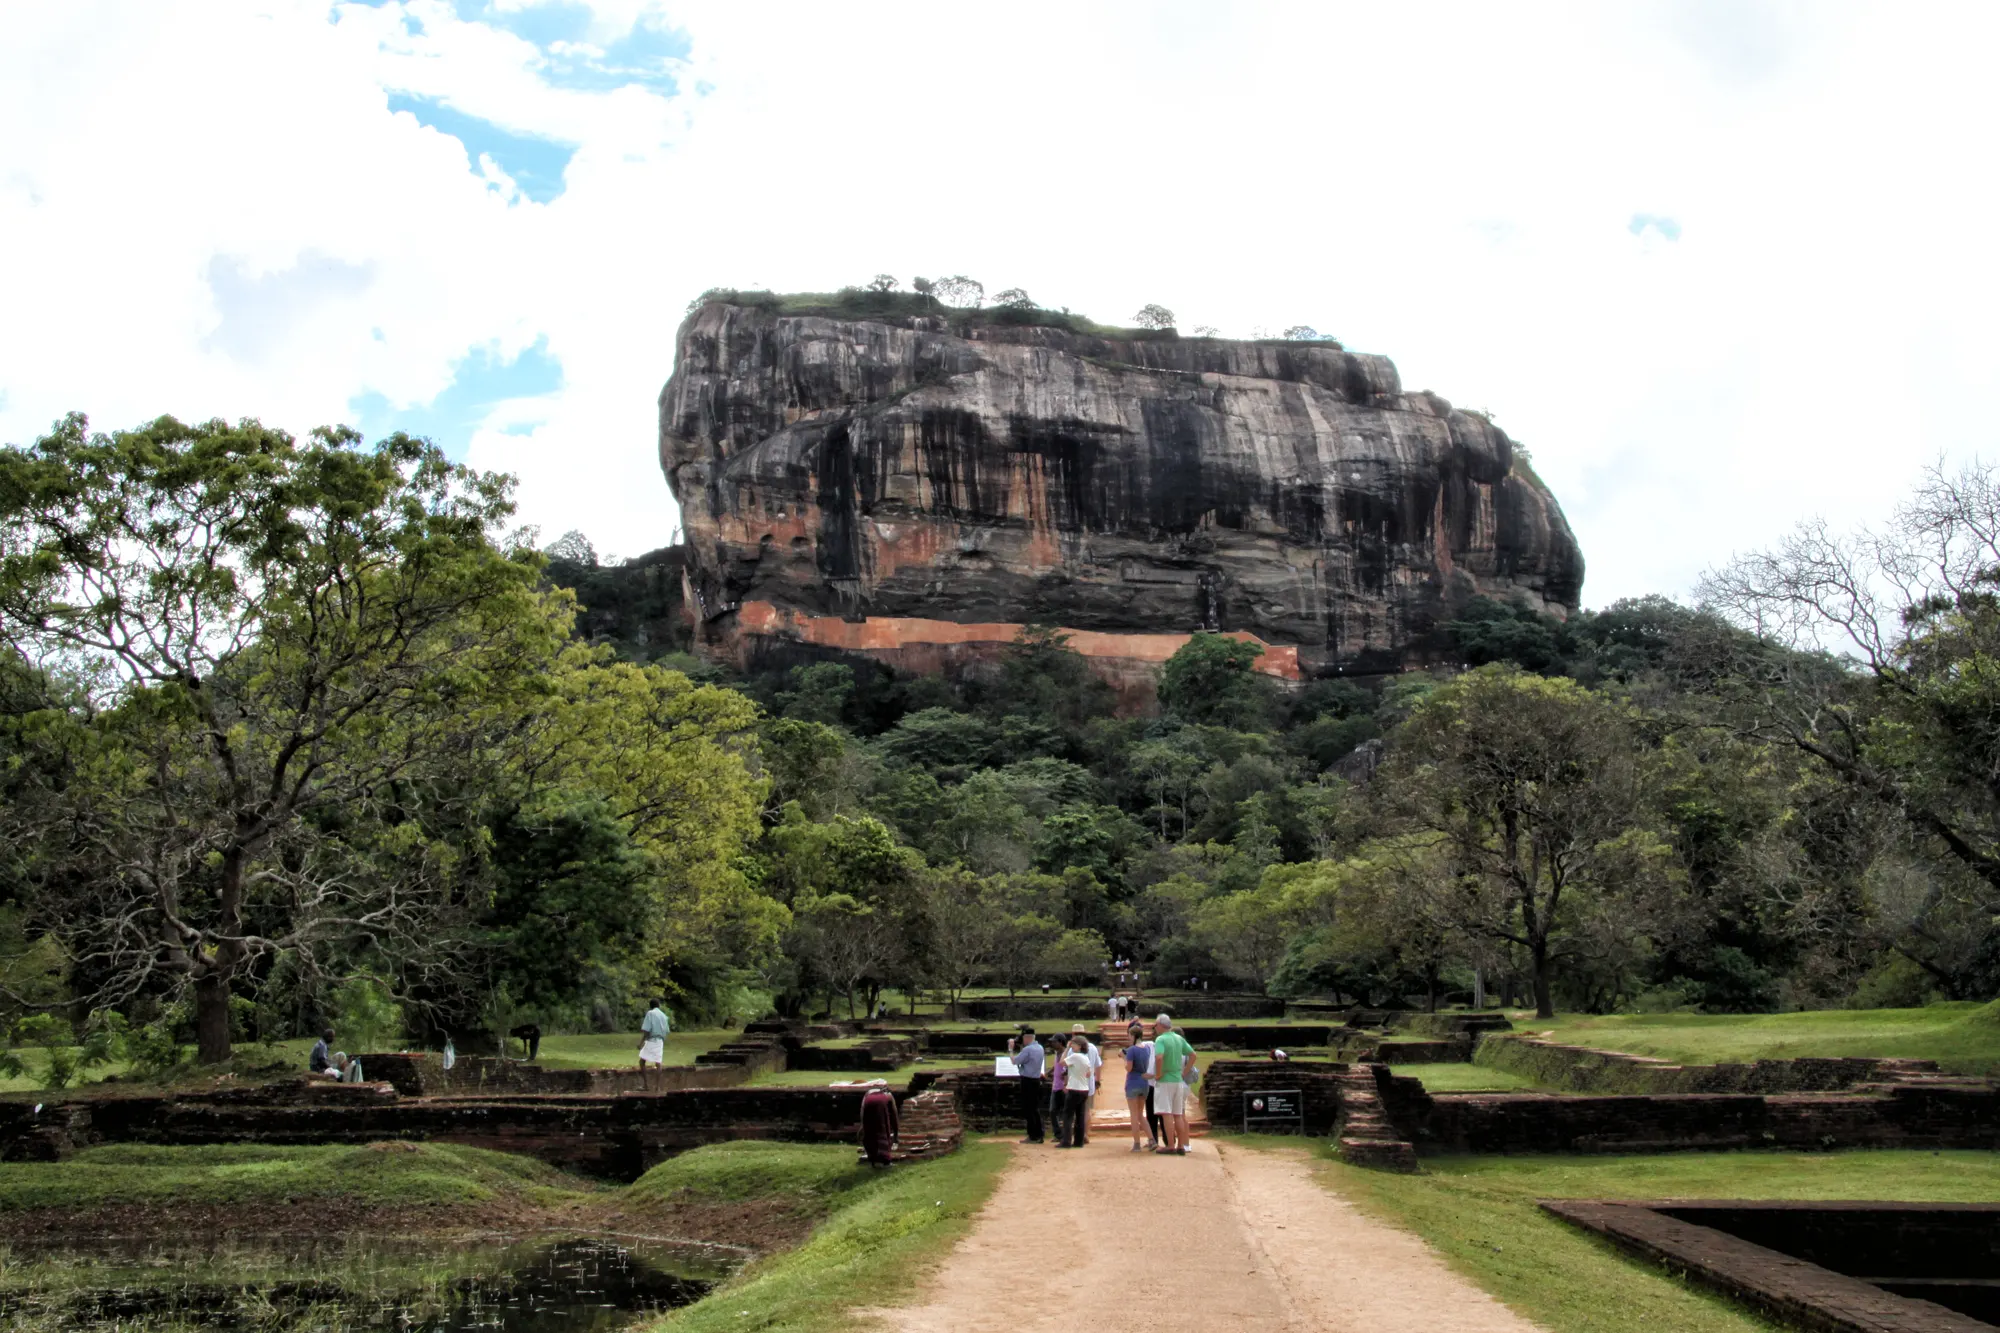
x,y
1718,264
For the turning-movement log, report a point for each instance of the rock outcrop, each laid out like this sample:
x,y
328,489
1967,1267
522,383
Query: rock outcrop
x,y
917,486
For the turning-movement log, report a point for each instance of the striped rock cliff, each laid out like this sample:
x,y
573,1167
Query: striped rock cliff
x,y
916,486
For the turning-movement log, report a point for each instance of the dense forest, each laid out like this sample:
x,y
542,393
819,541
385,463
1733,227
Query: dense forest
x,y
292,730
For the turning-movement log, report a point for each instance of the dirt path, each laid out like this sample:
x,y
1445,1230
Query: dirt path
x,y
1245,1238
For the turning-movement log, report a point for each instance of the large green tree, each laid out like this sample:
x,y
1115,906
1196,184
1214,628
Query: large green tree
x,y
277,635
1544,793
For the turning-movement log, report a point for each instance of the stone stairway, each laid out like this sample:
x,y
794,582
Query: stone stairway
x,y
1364,1133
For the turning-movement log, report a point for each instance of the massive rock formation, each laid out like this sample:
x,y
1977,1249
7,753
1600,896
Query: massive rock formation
x,y
916,486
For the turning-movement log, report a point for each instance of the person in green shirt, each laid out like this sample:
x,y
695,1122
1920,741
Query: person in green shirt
x,y
653,1029
1173,1060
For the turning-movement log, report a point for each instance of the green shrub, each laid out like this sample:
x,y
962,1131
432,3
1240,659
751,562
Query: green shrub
x,y
1895,983
368,1017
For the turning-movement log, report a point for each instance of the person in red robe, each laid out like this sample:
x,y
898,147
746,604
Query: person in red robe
x,y
878,1125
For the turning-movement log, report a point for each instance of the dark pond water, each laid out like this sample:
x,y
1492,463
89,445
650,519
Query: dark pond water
x,y
343,1284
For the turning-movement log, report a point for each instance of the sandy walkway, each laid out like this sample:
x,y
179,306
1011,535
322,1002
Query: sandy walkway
x,y
1249,1239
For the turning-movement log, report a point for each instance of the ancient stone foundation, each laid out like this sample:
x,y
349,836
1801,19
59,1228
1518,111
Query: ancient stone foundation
x,y
1833,1267
616,1136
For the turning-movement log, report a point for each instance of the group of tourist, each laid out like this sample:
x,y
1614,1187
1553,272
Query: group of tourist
x,y
1159,1070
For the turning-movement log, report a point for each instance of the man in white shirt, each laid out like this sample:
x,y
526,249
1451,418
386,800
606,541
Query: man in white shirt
x,y
1096,1063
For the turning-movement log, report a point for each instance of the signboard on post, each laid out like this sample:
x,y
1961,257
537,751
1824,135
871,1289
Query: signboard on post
x,y
1275,1110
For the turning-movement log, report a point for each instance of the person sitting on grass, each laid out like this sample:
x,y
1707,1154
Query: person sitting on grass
x,y
335,1065
320,1062
653,1030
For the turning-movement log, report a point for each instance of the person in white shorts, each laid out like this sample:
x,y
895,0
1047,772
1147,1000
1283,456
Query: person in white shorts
x,y
1173,1058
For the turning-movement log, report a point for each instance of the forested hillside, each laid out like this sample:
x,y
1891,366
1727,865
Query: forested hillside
x,y
291,730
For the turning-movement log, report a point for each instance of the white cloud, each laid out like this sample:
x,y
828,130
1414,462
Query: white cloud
x,y
210,208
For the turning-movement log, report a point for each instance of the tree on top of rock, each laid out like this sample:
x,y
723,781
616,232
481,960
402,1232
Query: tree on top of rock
x,y
960,292
1014,298
1154,317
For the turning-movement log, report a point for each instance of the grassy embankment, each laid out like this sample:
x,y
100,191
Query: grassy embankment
x,y
1464,1078
884,1232
427,1175
1480,1214
1962,1037
869,1232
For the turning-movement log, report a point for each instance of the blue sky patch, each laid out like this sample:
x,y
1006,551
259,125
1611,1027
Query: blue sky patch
x,y
483,381
1665,227
550,21
535,164
646,55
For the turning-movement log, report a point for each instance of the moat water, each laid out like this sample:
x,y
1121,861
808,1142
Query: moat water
x,y
345,1284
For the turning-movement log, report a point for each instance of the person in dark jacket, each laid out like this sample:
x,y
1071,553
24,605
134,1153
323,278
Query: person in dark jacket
x,y
321,1060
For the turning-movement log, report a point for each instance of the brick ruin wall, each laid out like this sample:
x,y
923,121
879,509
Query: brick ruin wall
x,y
617,1136
1587,1069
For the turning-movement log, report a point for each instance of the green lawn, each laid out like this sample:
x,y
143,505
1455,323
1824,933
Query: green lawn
x,y
819,1078
1464,1078
1964,1038
424,1174
1480,1213
883,1233
618,1050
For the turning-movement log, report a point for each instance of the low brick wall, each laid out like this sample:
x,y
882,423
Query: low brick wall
x,y
1915,1115
424,1075
1420,1051
969,1043
876,1057
1254,1036
985,1101
1032,1010
614,1136
1225,1082
1948,1248
1584,1069
1449,1026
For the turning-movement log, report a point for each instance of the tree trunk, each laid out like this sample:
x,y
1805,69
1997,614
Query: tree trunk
x,y
1478,989
211,1018
1538,957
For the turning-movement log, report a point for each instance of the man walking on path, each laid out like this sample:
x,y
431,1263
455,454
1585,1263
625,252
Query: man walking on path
x,y
1028,1066
1173,1057
653,1030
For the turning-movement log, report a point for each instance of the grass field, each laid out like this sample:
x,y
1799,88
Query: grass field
x,y
1963,1038
1480,1213
1464,1078
617,1050
404,1175
819,1078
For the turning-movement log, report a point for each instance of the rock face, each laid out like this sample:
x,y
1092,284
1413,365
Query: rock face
x,y
917,487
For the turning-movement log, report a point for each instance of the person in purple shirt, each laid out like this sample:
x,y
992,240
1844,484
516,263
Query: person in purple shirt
x,y
1058,1084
